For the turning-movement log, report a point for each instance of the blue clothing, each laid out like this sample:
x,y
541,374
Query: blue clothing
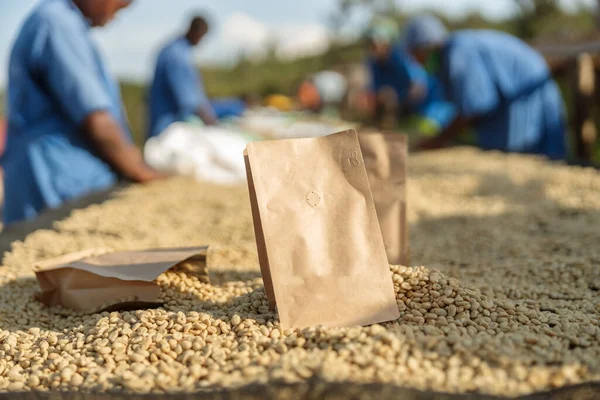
x,y
56,79
400,72
177,92
507,88
397,72
434,106
423,31
228,107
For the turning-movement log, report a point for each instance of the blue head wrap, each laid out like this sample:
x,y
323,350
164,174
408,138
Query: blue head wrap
x,y
424,31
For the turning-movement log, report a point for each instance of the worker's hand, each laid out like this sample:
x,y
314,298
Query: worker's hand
x,y
144,173
108,138
445,138
207,115
148,174
417,93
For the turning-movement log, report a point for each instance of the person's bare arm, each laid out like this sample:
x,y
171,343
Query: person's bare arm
x,y
108,139
417,93
445,138
207,115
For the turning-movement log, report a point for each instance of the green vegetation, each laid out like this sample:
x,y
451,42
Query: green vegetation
x,y
272,74
134,99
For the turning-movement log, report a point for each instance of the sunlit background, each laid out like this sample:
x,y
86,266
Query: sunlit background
x,y
269,45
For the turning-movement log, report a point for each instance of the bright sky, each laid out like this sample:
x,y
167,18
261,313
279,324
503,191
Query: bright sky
x,y
239,26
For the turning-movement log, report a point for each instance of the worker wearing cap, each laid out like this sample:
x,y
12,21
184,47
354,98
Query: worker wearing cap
x,y
177,92
67,131
499,85
399,82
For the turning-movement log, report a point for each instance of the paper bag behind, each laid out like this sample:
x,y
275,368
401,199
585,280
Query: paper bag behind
x,y
95,280
385,158
319,242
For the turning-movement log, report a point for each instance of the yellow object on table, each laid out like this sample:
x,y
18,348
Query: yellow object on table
x,y
279,101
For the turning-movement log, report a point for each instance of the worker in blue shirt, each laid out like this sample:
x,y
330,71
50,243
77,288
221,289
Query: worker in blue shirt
x,y
177,92
67,132
500,86
402,84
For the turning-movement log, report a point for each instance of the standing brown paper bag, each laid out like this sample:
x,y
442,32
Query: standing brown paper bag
x,y
320,247
95,280
385,158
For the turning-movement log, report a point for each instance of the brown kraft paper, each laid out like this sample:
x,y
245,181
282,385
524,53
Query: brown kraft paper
x,y
318,239
96,280
385,158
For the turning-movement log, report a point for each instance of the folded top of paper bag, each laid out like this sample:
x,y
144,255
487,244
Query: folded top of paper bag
x,y
94,279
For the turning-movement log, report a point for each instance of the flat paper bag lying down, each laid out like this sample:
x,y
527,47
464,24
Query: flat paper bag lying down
x,y
95,280
385,156
320,247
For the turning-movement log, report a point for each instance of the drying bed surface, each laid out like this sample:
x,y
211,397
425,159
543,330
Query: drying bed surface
x,y
502,295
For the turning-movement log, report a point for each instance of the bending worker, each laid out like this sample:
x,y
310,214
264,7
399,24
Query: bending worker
x,y
67,131
401,85
177,92
499,85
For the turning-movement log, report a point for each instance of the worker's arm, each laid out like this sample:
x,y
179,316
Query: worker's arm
x,y
187,87
108,139
417,93
66,72
417,79
472,90
207,115
445,138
